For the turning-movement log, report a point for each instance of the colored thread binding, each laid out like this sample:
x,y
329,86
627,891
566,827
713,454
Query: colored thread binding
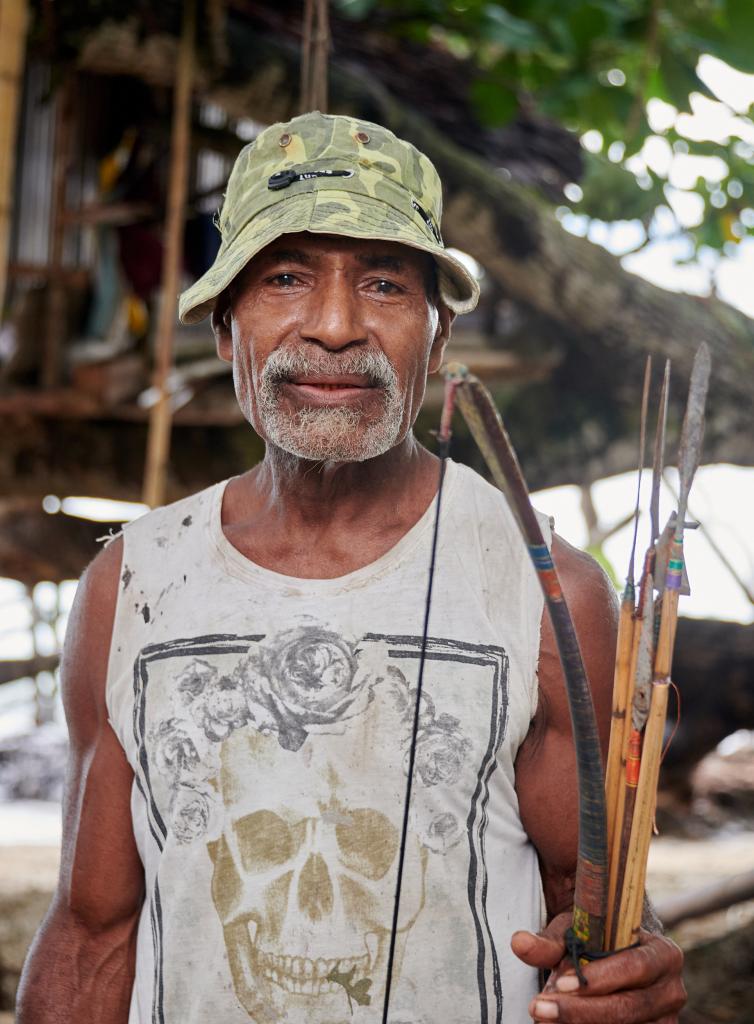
x,y
576,951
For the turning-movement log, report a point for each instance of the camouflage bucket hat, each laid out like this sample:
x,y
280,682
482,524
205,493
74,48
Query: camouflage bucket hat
x,y
336,176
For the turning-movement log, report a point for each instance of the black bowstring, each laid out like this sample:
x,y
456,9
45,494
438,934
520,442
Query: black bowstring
x,y
443,453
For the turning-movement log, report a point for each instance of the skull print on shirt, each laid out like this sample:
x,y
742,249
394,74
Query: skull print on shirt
x,y
286,757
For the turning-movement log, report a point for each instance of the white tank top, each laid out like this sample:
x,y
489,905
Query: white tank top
x,y
268,719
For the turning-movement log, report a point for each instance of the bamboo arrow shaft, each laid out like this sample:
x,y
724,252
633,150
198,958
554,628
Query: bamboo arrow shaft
x,y
632,900
635,874
692,434
626,656
615,788
620,706
634,879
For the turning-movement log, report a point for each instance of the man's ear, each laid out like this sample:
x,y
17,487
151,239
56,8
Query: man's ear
x,y
221,327
445,320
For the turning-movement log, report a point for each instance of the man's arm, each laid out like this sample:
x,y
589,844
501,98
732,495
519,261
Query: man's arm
x,y
81,964
639,986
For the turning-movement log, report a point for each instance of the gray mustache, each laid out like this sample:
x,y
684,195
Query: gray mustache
x,y
283,364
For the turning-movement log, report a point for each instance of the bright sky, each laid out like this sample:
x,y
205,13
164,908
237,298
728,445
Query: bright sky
x,y
719,498
710,120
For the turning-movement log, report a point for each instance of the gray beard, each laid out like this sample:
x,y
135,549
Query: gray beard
x,y
337,434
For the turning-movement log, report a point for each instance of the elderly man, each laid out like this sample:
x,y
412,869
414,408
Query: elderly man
x,y
241,671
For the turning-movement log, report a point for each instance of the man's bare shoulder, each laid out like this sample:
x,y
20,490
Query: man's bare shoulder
x,y
102,572
585,583
83,665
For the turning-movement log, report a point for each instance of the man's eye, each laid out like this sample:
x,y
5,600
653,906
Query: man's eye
x,y
386,287
283,280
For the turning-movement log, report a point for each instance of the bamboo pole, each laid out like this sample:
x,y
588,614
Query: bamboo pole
x,y
160,419
57,304
14,20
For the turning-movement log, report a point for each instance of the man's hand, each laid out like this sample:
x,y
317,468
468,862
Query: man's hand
x,y
637,986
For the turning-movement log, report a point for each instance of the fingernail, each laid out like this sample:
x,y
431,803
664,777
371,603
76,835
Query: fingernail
x,y
525,940
545,1009
568,983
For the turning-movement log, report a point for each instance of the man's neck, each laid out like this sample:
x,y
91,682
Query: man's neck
x,y
321,520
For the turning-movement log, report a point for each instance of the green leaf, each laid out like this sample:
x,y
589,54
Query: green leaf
x,y
711,232
495,104
740,18
500,26
611,192
680,79
587,22
356,9
728,37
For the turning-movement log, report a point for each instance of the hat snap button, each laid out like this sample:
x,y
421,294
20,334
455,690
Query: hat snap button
x,y
284,139
282,179
362,137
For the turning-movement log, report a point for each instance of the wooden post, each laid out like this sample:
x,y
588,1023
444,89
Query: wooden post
x,y
158,441
14,19
56,315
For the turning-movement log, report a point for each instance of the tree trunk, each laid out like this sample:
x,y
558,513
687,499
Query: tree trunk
x,y
714,671
685,906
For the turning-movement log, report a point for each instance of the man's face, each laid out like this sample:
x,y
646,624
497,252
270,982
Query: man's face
x,y
331,340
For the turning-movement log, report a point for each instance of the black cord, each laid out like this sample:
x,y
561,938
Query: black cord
x,y
443,452
577,951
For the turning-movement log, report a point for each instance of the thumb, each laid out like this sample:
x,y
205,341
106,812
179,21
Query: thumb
x,y
547,948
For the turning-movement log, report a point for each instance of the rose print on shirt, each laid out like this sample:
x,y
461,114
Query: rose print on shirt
x,y
304,677
174,752
307,678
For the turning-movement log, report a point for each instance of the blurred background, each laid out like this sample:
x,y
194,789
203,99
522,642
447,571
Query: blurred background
x,y
598,163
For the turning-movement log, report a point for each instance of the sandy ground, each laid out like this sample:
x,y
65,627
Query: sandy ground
x,y
678,865
28,867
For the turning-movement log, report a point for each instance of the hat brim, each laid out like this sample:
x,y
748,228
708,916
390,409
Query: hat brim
x,y
331,212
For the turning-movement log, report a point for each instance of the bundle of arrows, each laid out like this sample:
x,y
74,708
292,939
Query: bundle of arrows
x,y
616,812
644,660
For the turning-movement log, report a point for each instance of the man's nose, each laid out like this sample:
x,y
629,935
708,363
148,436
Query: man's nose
x,y
333,316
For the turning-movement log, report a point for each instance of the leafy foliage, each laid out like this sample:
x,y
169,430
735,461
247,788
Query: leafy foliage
x,y
592,66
